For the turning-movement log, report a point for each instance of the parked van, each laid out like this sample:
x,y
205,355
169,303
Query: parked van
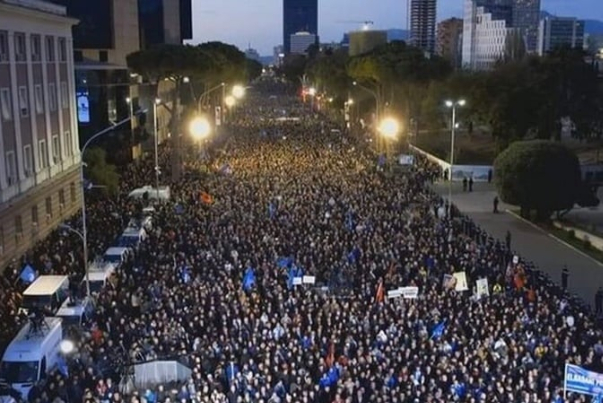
x,y
76,312
33,353
117,255
101,266
132,237
98,280
45,293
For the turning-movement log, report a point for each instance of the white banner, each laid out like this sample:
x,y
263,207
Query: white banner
x,y
460,281
482,288
297,280
309,280
404,292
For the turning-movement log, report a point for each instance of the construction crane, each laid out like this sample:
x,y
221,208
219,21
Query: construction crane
x,y
366,25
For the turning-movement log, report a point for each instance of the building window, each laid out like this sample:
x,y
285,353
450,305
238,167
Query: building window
x,y
34,215
43,151
36,52
39,99
64,95
23,102
49,49
62,197
56,148
18,226
68,144
20,54
48,207
52,97
11,168
72,192
103,56
62,50
3,46
28,160
7,110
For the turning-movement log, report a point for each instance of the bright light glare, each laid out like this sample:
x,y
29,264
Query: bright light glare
x,y
67,346
200,128
230,101
462,102
238,91
350,101
449,104
186,80
157,101
389,127
312,91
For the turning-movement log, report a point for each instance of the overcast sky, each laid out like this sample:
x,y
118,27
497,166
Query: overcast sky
x,y
259,22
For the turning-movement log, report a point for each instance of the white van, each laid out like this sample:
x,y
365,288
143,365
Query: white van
x,y
117,255
46,293
101,266
132,237
98,280
75,313
31,355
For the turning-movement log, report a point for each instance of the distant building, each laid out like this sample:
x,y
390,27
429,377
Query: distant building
x,y
448,41
164,21
486,24
395,34
298,16
278,54
556,32
526,17
253,54
423,24
365,41
40,185
301,41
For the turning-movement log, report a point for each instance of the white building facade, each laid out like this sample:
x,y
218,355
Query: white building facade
x,y
484,38
301,41
40,159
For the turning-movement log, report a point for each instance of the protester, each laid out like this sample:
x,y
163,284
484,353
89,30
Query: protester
x,y
215,285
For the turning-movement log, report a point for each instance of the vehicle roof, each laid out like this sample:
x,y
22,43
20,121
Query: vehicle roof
x,y
130,231
100,267
97,276
29,342
73,310
46,285
116,250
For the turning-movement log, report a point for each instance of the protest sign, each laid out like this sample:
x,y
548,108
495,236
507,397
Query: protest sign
x,y
461,281
579,380
309,279
482,287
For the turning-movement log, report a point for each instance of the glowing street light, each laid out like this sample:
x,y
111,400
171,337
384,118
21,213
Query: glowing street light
x,y
452,105
238,91
229,101
312,91
200,128
67,347
389,127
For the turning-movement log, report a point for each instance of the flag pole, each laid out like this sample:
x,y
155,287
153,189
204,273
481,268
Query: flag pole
x,y
565,385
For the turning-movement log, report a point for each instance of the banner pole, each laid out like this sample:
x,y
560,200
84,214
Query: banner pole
x,y
565,385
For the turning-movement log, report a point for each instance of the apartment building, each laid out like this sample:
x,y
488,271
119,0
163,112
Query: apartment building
x,y
40,159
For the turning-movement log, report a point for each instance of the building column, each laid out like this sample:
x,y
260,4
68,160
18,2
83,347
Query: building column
x,y
57,73
48,135
73,111
32,107
16,110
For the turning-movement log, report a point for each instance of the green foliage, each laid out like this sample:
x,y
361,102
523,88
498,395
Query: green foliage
x,y
538,175
99,172
293,68
253,69
327,71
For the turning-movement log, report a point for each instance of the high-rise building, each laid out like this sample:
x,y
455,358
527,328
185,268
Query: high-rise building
x,y
448,41
423,24
556,32
301,41
164,21
299,16
365,41
278,55
39,152
526,16
486,24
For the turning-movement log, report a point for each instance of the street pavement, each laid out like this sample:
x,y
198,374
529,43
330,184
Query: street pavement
x,y
530,242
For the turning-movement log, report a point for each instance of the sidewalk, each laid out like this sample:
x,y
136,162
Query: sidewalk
x,y
529,241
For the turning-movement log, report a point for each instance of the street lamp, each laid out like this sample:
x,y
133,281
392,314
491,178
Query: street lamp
x,y
199,127
66,346
238,91
312,91
84,233
374,94
452,105
157,172
209,91
389,128
230,101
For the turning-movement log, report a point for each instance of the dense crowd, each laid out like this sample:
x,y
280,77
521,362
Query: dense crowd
x,y
213,285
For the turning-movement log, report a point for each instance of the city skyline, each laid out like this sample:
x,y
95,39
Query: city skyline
x,y
260,23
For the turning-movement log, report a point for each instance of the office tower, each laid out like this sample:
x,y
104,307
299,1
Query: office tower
x,y
486,24
299,16
555,32
301,41
526,17
365,41
448,41
423,24
164,21
40,183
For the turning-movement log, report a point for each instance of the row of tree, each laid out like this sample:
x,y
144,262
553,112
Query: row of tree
x,y
522,97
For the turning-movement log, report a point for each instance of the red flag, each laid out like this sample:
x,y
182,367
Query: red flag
x,y
330,358
206,198
380,295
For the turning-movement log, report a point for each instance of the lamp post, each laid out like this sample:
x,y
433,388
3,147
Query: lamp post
x,y
389,129
209,91
312,93
375,95
155,132
84,232
83,238
452,105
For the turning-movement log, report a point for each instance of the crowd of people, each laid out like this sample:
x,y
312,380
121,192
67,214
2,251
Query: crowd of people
x,y
215,286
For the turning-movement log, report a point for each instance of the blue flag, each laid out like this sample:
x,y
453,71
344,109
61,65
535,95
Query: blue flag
x,y
186,274
438,331
231,371
62,366
349,221
293,272
354,255
283,262
248,279
271,210
381,161
28,275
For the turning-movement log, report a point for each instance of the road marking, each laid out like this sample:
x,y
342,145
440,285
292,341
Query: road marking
x,y
561,241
